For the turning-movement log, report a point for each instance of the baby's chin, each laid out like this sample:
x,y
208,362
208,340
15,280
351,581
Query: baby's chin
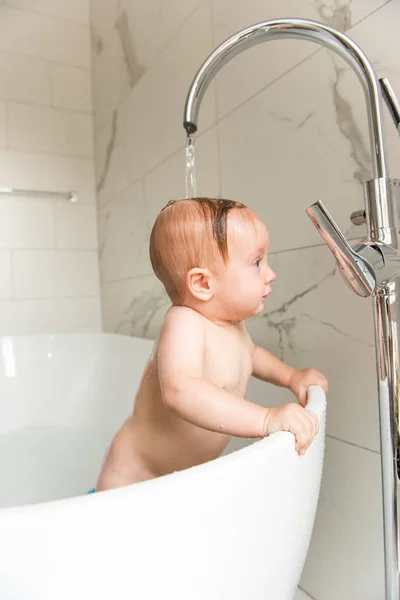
x,y
258,310
242,313
260,307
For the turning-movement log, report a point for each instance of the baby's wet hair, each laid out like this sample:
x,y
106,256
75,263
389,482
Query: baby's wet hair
x,y
216,211
187,234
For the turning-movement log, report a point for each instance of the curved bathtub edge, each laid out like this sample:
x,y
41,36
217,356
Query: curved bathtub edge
x,y
281,441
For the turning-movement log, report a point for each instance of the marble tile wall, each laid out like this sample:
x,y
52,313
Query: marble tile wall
x,y
282,126
49,274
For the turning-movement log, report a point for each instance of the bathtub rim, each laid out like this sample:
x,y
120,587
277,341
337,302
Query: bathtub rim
x,y
281,441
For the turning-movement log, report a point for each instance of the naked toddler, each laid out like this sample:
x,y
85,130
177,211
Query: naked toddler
x,y
212,257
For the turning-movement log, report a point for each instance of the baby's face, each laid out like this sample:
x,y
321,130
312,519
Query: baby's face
x,y
244,284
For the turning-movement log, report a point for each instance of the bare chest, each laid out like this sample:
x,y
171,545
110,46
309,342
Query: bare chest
x,y
227,361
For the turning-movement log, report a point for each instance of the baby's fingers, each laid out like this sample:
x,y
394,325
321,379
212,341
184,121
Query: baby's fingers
x,y
301,442
308,430
315,423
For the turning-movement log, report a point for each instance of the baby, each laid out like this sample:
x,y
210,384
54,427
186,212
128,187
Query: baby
x,y
212,257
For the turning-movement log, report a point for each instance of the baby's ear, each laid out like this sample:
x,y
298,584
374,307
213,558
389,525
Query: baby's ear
x,y
198,282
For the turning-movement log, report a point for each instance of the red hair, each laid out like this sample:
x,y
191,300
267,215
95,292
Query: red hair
x,y
187,234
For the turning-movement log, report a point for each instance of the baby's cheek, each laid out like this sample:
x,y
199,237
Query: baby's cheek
x,y
245,287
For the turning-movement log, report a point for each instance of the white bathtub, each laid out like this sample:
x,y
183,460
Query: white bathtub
x,y
236,528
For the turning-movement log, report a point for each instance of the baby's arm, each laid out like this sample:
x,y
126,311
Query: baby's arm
x,y
185,390
268,367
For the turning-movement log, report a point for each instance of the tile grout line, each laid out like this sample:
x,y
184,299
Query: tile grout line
x,y
338,439
49,153
50,105
307,593
50,76
43,59
12,277
46,16
55,228
57,250
308,247
6,125
129,278
146,207
46,298
44,154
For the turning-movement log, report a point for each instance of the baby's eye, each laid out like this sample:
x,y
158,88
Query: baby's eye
x,y
257,263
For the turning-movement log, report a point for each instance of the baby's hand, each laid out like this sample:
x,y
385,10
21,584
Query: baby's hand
x,y
302,379
299,421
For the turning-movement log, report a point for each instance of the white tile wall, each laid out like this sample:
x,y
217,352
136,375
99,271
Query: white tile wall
x,y
71,87
64,273
152,28
152,113
74,10
45,129
134,306
110,81
3,124
112,167
5,274
24,78
26,223
60,315
345,559
31,34
49,273
156,103
124,236
47,172
75,226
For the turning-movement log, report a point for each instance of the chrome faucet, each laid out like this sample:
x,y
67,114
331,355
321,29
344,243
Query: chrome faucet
x,y
353,264
371,268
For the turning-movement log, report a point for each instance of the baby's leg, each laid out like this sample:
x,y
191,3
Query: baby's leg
x,y
115,476
124,463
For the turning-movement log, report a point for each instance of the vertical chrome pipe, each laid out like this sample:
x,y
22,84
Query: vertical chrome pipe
x,y
387,312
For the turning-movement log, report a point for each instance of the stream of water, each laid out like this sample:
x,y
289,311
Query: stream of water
x,y
190,168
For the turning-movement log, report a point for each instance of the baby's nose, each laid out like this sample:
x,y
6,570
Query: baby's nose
x,y
270,276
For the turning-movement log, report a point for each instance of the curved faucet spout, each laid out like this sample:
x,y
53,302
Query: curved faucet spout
x,y
300,29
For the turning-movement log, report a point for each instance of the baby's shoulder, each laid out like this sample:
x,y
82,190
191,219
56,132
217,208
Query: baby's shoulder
x,y
183,316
